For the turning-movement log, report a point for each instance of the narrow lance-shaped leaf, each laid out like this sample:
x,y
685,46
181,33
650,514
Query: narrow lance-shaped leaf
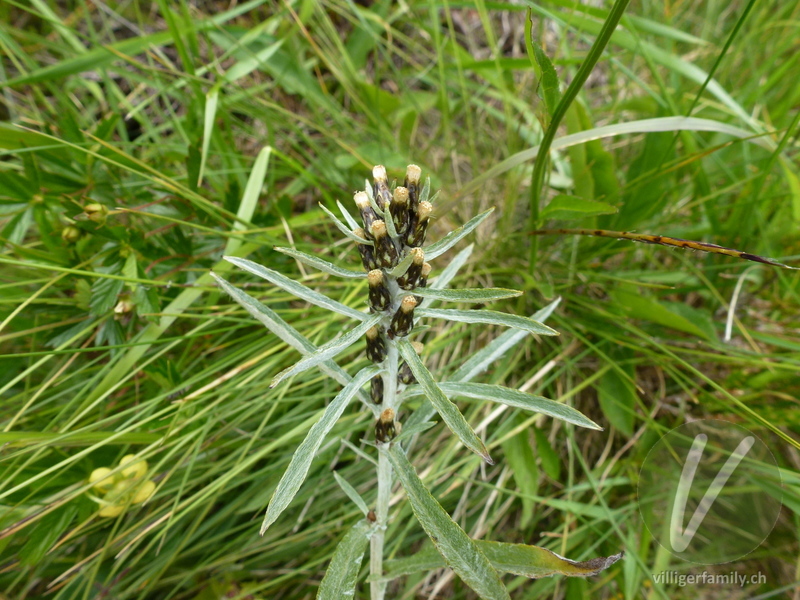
x,y
341,227
295,288
329,350
347,216
488,317
402,266
455,236
301,461
519,559
511,397
272,321
481,360
321,265
351,493
472,295
459,551
341,576
448,411
252,192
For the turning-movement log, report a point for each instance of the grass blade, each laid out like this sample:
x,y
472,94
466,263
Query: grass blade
x,y
296,288
321,265
328,351
212,99
301,461
252,192
488,317
460,552
448,411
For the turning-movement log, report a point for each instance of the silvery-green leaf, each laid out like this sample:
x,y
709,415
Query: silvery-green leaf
x,y
495,349
511,397
455,236
446,409
272,321
402,266
450,271
488,317
481,360
321,265
519,559
472,295
347,216
301,461
328,350
341,576
351,493
459,551
413,430
343,228
426,190
296,288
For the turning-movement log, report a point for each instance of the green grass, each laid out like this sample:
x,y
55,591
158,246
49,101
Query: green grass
x,y
158,111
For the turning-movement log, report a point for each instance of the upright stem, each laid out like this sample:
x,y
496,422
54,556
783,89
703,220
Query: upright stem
x,y
378,588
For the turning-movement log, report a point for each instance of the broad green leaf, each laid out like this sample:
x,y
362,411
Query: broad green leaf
x,y
522,462
252,192
321,265
467,294
301,461
46,534
648,309
446,409
481,360
488,317
455,236
351,493
459,551
296,288
513,398
545,72
569,208
519,559
343,228
272,321
617,397
210,115
329,350
551,462
104,295
341,577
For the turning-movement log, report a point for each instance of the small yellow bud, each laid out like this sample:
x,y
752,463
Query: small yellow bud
x,y
134,469
112,510
70,234
144,492
102,482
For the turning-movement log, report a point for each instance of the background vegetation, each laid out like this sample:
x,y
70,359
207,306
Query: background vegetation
x,y
129,133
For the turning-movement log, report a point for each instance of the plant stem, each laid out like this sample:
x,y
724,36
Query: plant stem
x,y
378,588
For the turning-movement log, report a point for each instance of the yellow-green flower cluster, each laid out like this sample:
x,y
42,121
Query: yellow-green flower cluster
x,y
118,491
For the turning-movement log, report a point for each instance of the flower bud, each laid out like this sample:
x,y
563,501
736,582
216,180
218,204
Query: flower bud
x,y
367,252
416,236
413,174
101,474
385,251
144,492
376,389
409,280
368,214
403,319
70,234
376,345
386,428
383,198
96,212
399,210
133,468
423,279
404,373
379,297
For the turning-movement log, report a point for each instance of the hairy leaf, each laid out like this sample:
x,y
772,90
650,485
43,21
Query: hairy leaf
x,y
472,295
342,575
321,265
455,236
488,317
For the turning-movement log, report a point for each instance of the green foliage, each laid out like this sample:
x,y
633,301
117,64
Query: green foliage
x,y
689,125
